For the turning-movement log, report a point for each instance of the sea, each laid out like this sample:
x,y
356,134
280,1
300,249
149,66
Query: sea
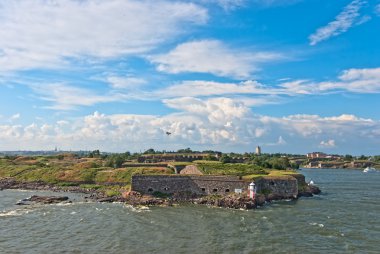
x,y
345,218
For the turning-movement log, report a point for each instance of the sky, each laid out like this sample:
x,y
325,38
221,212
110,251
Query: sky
x,y
292,76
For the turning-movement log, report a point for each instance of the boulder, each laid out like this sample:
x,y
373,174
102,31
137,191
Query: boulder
x,y
43,200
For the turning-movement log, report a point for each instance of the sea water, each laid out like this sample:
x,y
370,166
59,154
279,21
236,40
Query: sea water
x,y
345,218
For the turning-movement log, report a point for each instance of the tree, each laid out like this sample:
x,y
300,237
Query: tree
x,y
187,150
225,158
150,151
94,154
348,157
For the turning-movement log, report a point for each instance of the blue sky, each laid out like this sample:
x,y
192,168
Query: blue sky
x,y
291,76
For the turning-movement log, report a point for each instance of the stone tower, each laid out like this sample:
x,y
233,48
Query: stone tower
x,y
258,150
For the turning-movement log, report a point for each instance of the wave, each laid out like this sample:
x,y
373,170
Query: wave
x,y
17,212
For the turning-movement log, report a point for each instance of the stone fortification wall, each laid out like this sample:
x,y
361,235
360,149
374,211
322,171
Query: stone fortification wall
x,y
145,165
300,179
199,185
283,187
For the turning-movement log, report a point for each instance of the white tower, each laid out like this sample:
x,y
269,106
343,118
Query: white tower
x,y
258,150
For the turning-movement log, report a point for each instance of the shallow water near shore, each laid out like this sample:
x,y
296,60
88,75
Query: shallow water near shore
x,y
344,219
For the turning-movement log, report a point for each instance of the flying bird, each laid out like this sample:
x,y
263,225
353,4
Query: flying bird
x,y
168,133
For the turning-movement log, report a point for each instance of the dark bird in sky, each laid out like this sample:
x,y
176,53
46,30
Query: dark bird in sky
x,y
168,133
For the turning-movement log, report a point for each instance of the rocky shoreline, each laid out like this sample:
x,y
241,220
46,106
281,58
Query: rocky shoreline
x,y
136,199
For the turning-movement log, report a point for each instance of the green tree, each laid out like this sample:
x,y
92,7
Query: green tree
x,y
225,158
150,151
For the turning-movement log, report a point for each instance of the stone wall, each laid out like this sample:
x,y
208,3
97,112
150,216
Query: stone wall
x,y
282,186
199,185
145,165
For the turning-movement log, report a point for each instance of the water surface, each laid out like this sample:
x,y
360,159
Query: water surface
x,y
344,219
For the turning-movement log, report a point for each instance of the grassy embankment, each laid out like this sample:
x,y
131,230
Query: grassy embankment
x,y
90,173
87,173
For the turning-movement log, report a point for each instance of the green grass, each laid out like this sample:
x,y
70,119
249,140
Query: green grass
x,y
281,172
218,168
91,186
252,177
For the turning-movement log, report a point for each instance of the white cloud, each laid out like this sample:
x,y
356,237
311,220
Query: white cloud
x,y
227,5
15,117
65,97
377,9
250,93
360,74
352,80
218,110
211,56
344,21
45,34
280,141
211,88
269,3
219,124
317,126
328,143
117,82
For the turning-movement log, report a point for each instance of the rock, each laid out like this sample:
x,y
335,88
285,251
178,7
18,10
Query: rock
x,y
128,194
314,189
260,199
47,199
21,203
309,191
42,200
106,200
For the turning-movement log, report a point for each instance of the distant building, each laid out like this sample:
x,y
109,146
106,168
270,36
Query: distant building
x,y
258,150
316,155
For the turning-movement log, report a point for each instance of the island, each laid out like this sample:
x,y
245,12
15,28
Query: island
x,y
240,181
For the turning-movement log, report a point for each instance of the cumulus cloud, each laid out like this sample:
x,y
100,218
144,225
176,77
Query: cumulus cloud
x,y
211,56
317,126
220,124
46,34
344,21
328,143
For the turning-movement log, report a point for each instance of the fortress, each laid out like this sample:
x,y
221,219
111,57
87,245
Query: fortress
x,y
200,185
